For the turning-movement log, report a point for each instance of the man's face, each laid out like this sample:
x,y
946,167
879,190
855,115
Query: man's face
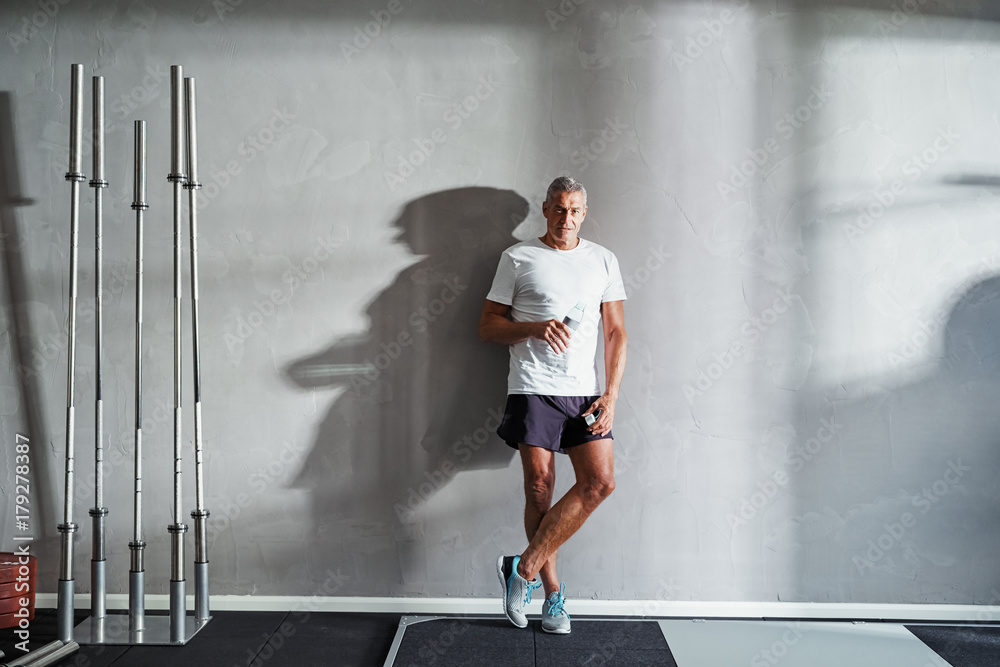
x,y
563,215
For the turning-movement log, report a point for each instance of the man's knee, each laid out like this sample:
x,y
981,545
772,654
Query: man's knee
x,y
597,488
538,492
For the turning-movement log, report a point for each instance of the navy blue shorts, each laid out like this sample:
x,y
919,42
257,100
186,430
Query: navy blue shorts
x,y
550,422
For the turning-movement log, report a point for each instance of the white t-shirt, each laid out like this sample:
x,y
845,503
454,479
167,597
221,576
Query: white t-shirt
x,y
540,283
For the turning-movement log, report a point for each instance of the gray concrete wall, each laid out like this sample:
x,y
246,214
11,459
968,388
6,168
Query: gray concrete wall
x,y
802,199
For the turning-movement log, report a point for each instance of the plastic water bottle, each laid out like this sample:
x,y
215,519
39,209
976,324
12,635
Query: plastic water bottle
x,y
575,317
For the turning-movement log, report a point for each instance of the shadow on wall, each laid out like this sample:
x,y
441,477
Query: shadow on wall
x,y
421,394
26,397
914,474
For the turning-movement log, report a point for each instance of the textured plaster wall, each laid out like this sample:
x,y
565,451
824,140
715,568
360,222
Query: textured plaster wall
x,y
803,199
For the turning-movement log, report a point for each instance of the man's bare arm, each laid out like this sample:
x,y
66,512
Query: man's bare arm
x,y
615,343
495,326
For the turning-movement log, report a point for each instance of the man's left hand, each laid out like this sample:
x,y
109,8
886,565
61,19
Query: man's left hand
x,y
603,424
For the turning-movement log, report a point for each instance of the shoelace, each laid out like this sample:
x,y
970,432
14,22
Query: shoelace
x,y
532,585
556,607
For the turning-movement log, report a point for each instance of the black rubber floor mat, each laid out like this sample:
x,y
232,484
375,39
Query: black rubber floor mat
x,y
475,642
962,645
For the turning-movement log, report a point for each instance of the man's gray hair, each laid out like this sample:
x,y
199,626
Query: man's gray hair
x,y
566,184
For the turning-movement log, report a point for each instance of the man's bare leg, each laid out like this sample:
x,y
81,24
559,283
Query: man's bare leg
x,y
539,481
594,465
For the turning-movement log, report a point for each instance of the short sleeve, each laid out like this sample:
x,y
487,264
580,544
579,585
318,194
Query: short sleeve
x,y
615,289
502,290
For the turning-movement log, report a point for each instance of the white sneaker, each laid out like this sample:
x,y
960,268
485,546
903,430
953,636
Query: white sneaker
x,y
516,590
554,617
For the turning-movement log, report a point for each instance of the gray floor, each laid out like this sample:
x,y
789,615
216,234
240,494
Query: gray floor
x,y
796,644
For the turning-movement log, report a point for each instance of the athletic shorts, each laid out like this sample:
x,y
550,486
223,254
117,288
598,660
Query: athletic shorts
x,y
550,422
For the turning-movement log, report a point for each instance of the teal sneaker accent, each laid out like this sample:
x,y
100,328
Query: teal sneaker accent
x,y
532,585
555,620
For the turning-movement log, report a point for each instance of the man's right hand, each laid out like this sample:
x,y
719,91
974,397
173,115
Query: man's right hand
x,y
496,326
555,333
